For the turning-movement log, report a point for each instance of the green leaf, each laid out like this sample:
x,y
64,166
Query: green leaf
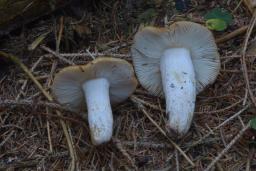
x,y
219,13
253,123
216,24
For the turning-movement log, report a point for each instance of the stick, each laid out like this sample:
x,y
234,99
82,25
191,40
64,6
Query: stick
x,y
26,81
248,34
124,152
57,55
231,35
177,161
142,108
220,110
22,164
125,56
220,125
232,142
26,70
47,95
145,144
7,103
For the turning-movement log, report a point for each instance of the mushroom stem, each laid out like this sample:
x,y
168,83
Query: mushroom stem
x,y
179,86
99,110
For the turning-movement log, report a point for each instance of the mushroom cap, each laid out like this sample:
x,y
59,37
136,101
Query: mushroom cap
x,y
67,84
151,42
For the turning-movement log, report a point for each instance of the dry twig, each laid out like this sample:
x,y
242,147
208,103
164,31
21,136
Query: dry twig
x,y
47,95
57,55
142,108
232,142
124,56
248,34
30,103
220,125
231,35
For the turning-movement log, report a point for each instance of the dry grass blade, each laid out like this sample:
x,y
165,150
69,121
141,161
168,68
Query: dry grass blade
x,y
177,161
248,34
147,144
124,152
24,164
6,139
220,125
25,82
26,70
233,141
59,37
30,103
48,96
221,110
142,108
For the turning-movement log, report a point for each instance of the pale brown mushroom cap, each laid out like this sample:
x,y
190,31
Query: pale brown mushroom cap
x,y
151,42
67,84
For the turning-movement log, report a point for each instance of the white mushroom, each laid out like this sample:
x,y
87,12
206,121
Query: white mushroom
x,y
100,83
176,62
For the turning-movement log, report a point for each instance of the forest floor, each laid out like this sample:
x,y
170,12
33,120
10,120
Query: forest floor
x,y
36,133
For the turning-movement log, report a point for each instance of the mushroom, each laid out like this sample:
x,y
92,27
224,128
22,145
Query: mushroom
x,y
176,62
102,82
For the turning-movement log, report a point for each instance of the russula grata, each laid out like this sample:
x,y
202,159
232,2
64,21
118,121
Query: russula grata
x,y
176,62
96,86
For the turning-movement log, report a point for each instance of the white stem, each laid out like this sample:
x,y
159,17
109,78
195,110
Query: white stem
x,y
178,79
99,110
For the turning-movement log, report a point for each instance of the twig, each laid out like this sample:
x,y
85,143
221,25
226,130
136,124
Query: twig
x,y
7,103
58,41
220,110
142,108
124,152
26,70
46,94
90,54
177,160
249,159
232,142
238,5
146,144
48,83
57,55
249,31
59,34
231,35
64,118
220,125
7,138
49,135
26,81
237,56
68,138
126,56
23,164
249,5
116,48
35,161
146,103
237,71
24,103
